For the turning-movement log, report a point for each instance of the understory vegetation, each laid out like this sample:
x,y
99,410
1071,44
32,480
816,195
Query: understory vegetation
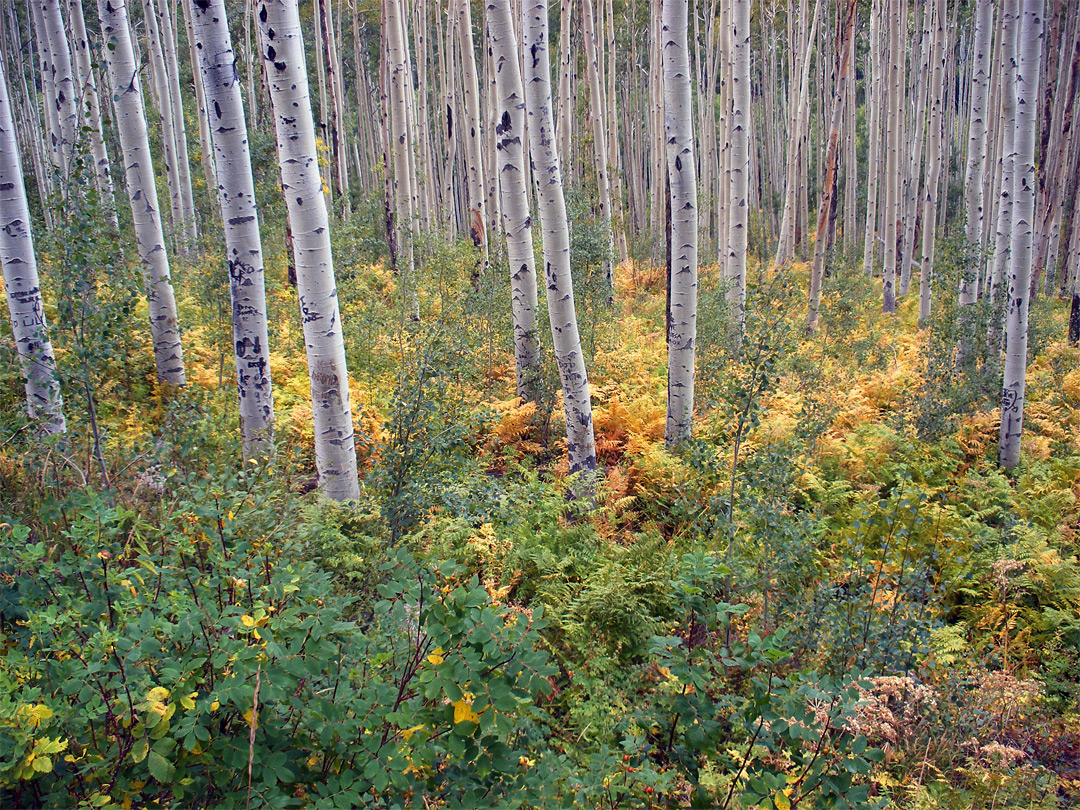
x,y
830,597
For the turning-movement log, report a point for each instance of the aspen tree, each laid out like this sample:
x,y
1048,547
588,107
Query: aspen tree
x,y
141,189
176,103
599,127
1010,22
827,210
282,49
517,223
875,106
243,244
474,157
933,161
91,105
683,269
400,137
206,145
893,124
47,74
32,132
66,94
160,86
554,228
1029,52
28,325
915,146
739,207
785,250
976,145
565,123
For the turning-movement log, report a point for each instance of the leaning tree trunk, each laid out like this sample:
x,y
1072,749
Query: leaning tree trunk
x,y
142,192
976,154
1016,329
551,205
738,211
283,53
28,325
827,210
517,223
91,104
683,268
243,245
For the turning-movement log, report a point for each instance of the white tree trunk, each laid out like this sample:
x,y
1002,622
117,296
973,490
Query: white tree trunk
x,y
933,160
740,160
28,325
282,47
475,160
400,137
67,95
976,145
1016,329
601,160
142,192
91,104
243,245
551,205
875,106
176,102
683,271
1010,22
517,223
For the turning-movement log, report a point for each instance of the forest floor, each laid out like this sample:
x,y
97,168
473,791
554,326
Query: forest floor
x,y
832,596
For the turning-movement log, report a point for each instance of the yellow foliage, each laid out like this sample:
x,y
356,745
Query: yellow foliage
x,y
514,426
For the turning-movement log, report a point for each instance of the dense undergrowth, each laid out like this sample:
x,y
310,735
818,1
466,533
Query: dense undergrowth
x,y
831,597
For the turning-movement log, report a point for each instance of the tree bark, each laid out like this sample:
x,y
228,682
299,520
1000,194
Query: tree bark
x,y
1016,331
976,154
282,48
682,306
28,325
739,186
243,243
551,205
933,161
141,189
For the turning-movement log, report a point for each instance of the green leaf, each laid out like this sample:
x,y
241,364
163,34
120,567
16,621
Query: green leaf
x,y
160,768
140,749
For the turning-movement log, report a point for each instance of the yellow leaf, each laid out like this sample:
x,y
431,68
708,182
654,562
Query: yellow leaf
x,y
408,732
157,694
781,800
247,717
215,706
436,656
247,621
463,712
188,701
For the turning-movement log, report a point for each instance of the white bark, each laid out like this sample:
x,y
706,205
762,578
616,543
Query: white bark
x,y
551,205
142,192
517,223
471,92
976,154
400,138
933,160
187,199
67,113
740,159
1016,329
1010,22
683,272
598,117
243,244
283,51
875,106
28,325
91,105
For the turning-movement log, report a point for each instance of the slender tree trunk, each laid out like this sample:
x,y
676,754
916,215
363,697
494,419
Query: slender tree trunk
x,y
741,113
243,243
66,93
875,106
788,239
1010,22
142,191
475,160
976,154
282,48
551,205
206,145
1016,331
827,210
187,197
91,104
28,325
160,82
400,136
517,222
601,160
682,306
933,161
893,125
